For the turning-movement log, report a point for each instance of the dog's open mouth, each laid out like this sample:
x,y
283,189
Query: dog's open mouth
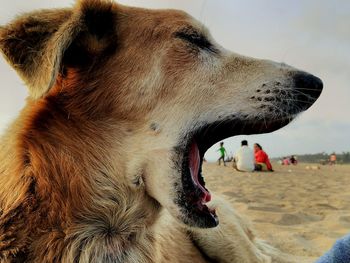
x,y
194,195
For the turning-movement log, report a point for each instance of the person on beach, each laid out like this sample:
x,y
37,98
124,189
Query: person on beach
x,y
262,162
333,159
244,158
293,160
223,153
285,161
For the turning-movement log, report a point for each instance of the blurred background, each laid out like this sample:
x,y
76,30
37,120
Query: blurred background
x,y
312,35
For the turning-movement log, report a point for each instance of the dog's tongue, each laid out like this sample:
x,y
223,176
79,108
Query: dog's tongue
x,y
194,163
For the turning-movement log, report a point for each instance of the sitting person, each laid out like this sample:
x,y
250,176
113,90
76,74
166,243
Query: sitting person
x,y
262,162
293,160
244,158
285,161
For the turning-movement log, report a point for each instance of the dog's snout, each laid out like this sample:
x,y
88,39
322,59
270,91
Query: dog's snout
x,y
308,85
291,97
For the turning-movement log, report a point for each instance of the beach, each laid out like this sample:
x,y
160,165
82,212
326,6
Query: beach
x,y
300,209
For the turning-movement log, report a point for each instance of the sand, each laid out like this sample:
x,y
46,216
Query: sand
x,y
300,209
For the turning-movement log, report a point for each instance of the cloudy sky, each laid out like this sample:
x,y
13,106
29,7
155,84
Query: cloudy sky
x,y
312,35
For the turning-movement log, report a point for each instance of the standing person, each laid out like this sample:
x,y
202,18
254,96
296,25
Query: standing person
x,y
262,162
222,153
333,159
244,158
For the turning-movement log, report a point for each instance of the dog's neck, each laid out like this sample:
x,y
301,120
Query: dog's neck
x,y
78,179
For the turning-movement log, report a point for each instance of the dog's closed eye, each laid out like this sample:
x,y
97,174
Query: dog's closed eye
x,y
193,37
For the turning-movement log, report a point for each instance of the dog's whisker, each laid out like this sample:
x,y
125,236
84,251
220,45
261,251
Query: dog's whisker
x,y
308,89
303,94
201,16
296,100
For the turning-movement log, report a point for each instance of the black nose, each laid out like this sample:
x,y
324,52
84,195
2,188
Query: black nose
x,y
307,88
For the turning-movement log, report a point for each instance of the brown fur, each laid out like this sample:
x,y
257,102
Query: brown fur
x,y
75,183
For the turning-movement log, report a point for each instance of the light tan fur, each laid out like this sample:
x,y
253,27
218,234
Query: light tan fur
x,y
87,170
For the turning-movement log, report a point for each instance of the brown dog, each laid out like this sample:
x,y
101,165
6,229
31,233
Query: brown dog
x,y
104,162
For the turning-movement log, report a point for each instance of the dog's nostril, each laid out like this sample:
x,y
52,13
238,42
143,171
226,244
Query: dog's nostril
x,y
308,84
307,88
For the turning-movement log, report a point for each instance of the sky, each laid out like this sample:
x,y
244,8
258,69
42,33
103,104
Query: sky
x,y
312,35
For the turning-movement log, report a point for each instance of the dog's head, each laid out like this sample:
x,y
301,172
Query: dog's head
x,y
163,81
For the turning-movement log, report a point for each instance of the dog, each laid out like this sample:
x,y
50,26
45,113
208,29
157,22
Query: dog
x,y
103,164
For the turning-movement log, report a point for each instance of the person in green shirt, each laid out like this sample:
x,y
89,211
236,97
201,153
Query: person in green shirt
x,y
222,153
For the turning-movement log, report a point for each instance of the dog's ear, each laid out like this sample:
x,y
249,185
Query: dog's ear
x,y
38,45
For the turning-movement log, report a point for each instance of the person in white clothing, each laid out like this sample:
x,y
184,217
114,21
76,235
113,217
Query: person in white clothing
x,y
244,158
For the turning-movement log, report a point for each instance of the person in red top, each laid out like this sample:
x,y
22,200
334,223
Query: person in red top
x,y
262,162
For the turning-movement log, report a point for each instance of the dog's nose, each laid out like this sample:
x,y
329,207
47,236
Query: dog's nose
x,y
307,86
